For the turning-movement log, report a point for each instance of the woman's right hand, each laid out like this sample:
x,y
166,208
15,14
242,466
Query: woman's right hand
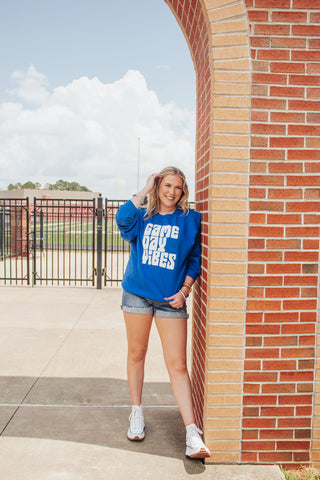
x,y
150,182
137,199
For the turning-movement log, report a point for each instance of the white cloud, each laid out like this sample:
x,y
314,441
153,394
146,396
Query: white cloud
x,y
88,132
32,85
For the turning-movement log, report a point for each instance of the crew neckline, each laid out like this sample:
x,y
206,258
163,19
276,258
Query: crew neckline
x,y
164,214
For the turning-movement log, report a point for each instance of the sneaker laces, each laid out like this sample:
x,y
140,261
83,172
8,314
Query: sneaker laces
x,y
136,419
193,436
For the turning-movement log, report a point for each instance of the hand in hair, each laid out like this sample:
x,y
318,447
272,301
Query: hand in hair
x,y
151,181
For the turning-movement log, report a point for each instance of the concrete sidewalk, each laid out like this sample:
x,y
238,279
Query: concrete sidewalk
x,y
64,400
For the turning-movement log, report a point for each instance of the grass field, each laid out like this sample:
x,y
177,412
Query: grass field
x,y
79,235
303,474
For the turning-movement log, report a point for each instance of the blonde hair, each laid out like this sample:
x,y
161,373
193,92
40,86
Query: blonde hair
x,y
153,206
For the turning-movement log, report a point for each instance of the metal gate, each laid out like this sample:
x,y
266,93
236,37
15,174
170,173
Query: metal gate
x,y
61,242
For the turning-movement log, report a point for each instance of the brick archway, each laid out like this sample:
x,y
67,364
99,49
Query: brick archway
x,y
217,35
255,368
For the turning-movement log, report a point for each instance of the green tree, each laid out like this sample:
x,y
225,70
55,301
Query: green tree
x,y
16,186
59,185
28,184
64,185
31,185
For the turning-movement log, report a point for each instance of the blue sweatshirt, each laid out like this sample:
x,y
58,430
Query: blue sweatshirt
x,y
164,249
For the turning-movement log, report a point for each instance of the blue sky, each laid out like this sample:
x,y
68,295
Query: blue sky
x,y
60,58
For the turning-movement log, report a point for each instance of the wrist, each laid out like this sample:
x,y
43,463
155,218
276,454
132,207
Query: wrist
x,y
142,193
138,196
187,287
182,293
185,291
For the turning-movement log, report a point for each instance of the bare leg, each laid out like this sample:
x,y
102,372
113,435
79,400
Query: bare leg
x,y
138,330
173,334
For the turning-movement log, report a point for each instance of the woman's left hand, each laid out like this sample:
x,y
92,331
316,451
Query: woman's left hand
x,y
176,301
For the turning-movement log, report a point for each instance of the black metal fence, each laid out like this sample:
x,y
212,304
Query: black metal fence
x,y
61,242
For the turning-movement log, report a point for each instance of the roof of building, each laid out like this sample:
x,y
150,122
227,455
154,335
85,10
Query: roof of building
x,y
49,194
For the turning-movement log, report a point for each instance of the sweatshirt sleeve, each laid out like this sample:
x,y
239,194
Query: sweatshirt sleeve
x,y
194,261
127,219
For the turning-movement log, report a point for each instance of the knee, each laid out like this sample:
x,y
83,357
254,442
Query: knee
x,y
136,355
177,366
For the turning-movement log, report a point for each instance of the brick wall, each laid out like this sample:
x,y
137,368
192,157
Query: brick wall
x,y
283,232
255,376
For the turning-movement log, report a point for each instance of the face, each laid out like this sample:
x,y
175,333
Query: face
x,y
170,191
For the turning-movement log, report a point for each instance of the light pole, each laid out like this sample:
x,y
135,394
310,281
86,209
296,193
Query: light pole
x,y
138,173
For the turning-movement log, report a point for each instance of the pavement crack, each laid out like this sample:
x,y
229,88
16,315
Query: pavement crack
x,y
18,406
10,420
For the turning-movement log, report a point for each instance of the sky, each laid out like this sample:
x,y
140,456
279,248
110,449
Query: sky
x,y
94,91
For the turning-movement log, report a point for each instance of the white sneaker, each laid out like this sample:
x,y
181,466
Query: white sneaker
x,y
195,446
136,428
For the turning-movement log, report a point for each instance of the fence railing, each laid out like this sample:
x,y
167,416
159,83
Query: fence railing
x,y
61,242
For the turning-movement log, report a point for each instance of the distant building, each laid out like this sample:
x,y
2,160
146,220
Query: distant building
x,y
48,194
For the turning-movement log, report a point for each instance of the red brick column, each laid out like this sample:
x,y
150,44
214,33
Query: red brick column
x,y
18,230
283,233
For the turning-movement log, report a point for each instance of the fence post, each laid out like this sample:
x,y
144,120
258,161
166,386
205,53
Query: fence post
x,y
2,232
34,246
99,242
28,233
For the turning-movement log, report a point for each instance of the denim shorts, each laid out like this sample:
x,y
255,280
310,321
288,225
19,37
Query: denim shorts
x,y
134,304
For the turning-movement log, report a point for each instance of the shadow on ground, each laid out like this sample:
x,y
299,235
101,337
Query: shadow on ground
x,y
92,411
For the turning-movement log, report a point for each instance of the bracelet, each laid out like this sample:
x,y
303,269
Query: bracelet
x,y
183,295
188,286
138,196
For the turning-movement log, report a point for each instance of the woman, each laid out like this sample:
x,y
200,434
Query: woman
x,y
163,265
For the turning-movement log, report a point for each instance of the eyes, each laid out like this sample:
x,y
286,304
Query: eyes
x,y
168,185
